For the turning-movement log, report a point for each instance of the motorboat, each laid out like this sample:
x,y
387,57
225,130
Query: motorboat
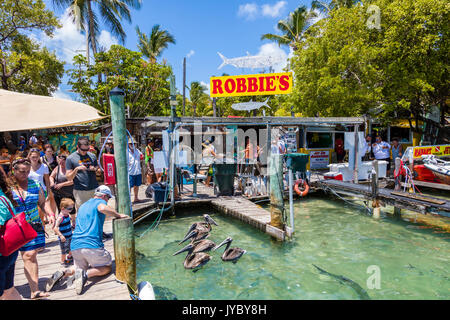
x,y
440,168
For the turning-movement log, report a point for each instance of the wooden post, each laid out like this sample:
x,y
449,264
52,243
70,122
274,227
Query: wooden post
x,y
276,191
124,251
122,229
397,170
355,169
184,87
375,201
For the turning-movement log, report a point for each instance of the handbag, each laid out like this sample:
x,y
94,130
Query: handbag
x,y
15,233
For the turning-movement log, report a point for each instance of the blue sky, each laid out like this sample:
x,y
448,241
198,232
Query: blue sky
x,y
201,29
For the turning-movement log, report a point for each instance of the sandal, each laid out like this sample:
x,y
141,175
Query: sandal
x,y
55,278
39,295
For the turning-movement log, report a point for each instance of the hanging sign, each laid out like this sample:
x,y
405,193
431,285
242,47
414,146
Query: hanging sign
x,y
251,85
439,151
319,159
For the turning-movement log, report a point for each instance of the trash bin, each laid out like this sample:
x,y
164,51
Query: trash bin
x,y
224,177
297,161
157,192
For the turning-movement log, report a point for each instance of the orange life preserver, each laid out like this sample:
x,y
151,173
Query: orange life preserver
x,y
305,190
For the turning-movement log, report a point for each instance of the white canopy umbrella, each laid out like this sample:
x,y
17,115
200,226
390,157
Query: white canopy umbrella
x,y
20,111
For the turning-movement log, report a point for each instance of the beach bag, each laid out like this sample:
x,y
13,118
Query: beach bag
x,y
15,233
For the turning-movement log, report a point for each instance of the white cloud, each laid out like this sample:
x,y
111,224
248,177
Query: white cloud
x,y
106,40
273,50
248,10
206,85
190,54
61,94
275,10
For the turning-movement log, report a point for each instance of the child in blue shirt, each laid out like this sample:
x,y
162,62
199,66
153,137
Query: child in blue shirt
x,y
63,229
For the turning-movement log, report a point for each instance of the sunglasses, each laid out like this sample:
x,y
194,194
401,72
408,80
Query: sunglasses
x,y
62,157
21,160
35,149
68,208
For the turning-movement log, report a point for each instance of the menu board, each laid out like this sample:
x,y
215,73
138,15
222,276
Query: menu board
x,y
291,141
319,159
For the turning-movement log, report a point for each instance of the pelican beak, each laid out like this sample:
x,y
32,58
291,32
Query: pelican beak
x,y
190,235
191,228
182,250
221,244
211,221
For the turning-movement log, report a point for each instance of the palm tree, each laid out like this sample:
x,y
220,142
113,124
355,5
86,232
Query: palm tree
x,y
333,4
292,28
153,45
87,19
198,96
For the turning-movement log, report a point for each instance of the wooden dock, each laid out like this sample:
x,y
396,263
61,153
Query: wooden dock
x,y
237,206
423,204
99,288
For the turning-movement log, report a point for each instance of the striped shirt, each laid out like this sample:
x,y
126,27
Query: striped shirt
x,y
65,226
29,205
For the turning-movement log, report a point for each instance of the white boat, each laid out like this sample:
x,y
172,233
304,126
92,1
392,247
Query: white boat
x,y
440,168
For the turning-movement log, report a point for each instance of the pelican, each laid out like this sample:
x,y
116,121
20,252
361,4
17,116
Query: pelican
x,y
204,245
194,261
230,254
203,225
195,235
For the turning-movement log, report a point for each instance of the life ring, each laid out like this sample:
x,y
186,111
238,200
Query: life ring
x,y
305,187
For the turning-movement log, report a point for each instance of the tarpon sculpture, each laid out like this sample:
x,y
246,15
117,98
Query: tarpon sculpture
x,y
251,105
251,62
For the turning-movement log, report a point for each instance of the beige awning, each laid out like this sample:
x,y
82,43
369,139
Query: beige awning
x,y
20,111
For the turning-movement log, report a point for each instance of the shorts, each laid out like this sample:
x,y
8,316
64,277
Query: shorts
x,y
88,257
135,181
65,246
82,196
7,266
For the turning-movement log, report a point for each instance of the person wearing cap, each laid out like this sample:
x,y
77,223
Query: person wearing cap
x,y
134,168
33,140
90,257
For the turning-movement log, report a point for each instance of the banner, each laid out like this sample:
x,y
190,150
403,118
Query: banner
x,y
319,159
439,151
251,85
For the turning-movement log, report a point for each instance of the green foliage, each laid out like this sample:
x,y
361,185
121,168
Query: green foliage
x,y
153,45
145,84
343,68
24,66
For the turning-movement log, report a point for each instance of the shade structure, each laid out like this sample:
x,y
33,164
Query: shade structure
x,y
20,111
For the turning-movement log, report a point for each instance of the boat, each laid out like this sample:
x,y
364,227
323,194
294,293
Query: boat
x,y
440,168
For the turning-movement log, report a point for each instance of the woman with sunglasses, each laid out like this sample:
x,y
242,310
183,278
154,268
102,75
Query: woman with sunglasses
x,y
60,185
28,195
49,158
39,171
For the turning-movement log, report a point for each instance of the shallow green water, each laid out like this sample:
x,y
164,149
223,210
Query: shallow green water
x,y
413,261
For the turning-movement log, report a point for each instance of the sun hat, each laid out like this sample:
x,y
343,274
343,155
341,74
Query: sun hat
x,y
103,190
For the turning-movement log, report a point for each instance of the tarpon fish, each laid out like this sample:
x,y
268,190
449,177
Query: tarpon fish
x,y
251,105
352,284
251,62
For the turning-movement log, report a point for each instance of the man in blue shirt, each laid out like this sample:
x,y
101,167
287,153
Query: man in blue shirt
x,y
91,259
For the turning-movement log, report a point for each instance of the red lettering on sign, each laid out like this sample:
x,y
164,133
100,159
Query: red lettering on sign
x,y
230,86
269,83
217,86
284,83
252,85
241,87
261,84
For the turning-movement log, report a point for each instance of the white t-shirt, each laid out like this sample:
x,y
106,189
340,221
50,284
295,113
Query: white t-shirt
x,y
207,156
134,162
381,150
39,175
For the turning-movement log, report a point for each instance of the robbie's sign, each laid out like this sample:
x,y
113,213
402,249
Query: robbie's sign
x,y
251,85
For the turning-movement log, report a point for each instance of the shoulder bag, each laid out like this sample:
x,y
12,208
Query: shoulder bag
x,y
15,233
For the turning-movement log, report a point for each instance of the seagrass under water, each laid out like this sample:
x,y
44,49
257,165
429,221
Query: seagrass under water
x,y
412,257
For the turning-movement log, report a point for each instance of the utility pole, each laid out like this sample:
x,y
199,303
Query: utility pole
x,y
214,106
172,142
184,87
123,230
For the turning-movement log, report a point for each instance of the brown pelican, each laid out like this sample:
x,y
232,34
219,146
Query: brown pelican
x,y
202,225
204,245
230,254
194,261
196,235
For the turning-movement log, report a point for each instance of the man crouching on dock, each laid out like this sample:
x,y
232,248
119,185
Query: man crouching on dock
x,y
90,257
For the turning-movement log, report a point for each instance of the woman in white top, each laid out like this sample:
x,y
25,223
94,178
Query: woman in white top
x,y
39,171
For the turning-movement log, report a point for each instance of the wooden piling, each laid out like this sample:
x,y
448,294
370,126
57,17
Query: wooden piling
x,y
276,191
375,200
124,250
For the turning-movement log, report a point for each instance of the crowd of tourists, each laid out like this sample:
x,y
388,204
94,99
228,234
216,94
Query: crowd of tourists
x,y
58,192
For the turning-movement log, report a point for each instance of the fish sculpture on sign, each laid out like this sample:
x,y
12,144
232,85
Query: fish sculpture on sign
x,y
251,105
251,62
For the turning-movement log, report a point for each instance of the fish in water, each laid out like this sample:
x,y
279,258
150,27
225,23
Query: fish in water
x,y
251,105
230,254
352,284
251,62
